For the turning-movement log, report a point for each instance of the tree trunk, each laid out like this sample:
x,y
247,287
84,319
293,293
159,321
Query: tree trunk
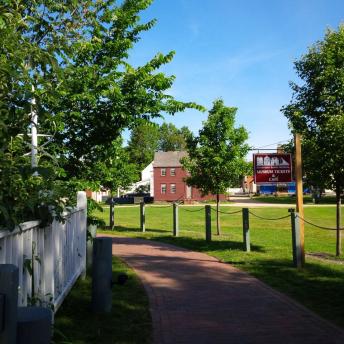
x,y
217,214
338,223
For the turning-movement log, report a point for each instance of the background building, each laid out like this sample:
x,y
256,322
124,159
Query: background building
x,y
169,179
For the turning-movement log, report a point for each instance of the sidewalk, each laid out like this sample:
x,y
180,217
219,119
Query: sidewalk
x,y
196,299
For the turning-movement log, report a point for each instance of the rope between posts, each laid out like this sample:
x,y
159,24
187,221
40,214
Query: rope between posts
x,y
227,213
162,206
268,219
321,227
191,211
127,205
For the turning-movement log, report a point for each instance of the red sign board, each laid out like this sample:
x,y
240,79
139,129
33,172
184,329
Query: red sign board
x,y
272,168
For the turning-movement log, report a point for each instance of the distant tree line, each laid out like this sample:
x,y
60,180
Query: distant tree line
x,y
148,138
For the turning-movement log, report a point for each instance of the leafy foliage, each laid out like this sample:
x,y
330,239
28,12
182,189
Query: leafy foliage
x,y
216,158
112,168
143,142
317,111
67,61
92,219
148,137
317,107
172,138
102,93
25,193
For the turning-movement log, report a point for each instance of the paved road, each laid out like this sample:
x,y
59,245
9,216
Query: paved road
x,y
196,299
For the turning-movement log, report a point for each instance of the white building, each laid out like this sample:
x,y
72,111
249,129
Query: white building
x,y
147,179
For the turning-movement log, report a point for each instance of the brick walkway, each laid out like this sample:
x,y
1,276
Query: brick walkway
x,y
196,299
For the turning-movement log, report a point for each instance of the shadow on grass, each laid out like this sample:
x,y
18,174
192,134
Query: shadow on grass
x,y
219,243
128,322
201,245
317,286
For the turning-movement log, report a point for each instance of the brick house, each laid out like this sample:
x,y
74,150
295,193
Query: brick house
x,y
169,184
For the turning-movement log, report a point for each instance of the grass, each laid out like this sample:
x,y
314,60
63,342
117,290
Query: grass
x,y
320,286
287,199
129,321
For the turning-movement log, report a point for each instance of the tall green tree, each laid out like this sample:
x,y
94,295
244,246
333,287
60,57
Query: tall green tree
x,y
113,170
317,112
216,157
143,143
147,138
67,61
171,138
102,93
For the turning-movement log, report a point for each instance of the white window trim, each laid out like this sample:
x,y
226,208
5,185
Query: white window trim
x,y
161,188
174,172
163,172
175,188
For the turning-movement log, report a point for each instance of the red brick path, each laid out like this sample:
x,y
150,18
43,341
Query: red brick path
x,y
196,299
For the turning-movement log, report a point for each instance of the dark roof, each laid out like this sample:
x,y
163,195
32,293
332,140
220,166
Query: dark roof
x,y
168,159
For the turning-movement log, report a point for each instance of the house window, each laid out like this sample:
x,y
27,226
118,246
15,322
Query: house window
x,y
163,188
173,188
173,172
163,171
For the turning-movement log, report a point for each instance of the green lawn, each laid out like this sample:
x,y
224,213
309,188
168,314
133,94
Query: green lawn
x,y
129,321
286,199
320,286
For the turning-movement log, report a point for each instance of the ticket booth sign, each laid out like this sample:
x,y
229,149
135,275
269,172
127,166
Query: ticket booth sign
x,y
272,168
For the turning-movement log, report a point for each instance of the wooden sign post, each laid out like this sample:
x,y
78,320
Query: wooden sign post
x,y
299,194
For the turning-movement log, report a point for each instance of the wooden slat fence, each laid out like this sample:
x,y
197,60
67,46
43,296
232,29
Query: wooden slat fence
x,y
49,259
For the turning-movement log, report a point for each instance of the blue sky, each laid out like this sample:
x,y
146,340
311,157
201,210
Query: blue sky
x,y
240,51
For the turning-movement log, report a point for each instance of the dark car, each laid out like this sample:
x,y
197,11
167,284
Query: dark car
x,y
132,198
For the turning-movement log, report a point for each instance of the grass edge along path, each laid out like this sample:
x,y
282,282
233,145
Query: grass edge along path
x,y
129,321
320,286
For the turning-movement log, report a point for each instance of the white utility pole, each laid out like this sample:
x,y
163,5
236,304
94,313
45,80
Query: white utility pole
x,y
34,136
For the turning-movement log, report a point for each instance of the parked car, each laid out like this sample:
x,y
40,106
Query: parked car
x,y
132,198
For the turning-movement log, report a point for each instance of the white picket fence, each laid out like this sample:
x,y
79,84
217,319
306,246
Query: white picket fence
x,y
57,254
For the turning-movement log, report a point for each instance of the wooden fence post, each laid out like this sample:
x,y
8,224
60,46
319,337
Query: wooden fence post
x,y
299,197
175,220
208,223
295,234
9,280
142,217
246,229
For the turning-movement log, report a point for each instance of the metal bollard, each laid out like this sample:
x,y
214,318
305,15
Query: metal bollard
x,y
34,325
9,281
246,229
175,220
208,223
142,217
295,234
102,275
